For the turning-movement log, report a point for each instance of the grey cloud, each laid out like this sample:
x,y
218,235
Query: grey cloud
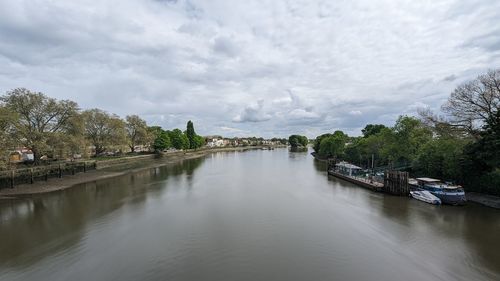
x,y
450,78
226,46
489,41
171,61
253,113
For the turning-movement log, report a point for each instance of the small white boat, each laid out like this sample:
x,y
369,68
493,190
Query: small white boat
x,y
425,196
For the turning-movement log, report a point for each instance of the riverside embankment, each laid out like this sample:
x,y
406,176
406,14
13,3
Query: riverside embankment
x,y
109,168
475,197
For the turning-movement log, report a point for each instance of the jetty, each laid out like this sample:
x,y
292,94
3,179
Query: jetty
x,y
392,182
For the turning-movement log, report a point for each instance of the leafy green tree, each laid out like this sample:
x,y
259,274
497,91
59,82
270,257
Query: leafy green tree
x,y
39,118
481,165
137,131
179,139
409,135
372,129
333,146
191,134
199,141
440,158
297,140
161,141
317,141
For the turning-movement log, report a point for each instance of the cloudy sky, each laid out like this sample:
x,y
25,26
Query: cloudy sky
x,y
253,67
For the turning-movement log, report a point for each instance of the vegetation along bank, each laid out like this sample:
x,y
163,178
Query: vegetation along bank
x,y
460,144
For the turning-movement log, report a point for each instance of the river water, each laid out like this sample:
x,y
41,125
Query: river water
x,y
255,215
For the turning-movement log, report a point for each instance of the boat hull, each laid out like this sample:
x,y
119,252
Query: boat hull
x,y
426,197
451,198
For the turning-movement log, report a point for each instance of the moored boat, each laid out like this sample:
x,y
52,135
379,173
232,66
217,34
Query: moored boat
x,y
425,196
447,193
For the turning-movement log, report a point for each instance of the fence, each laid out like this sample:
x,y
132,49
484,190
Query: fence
x,y
11,178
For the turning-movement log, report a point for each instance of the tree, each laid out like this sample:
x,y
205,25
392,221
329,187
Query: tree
x,y
317,141
440,158
8,121
371,129
333,146
179,139
103,129
409,135
69,142
40,118
472,104
191,134
137,131
297,140
162,141
481,165
199,141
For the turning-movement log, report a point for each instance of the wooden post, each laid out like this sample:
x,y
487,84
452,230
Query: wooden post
x,y
46,174
84,166
12,175
31,176
73,169
60,171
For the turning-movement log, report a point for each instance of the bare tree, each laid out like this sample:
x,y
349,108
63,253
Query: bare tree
x,y
472,104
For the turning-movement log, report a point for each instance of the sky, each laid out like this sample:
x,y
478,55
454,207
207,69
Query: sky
x,y
255,67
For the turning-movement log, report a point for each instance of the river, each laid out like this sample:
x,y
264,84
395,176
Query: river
x,y
255,215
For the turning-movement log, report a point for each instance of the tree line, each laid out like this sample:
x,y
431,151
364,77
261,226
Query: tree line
x,y
460,144
59,129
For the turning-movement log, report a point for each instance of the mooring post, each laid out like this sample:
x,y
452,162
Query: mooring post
x,y
60,171
84,166
31,176
12,175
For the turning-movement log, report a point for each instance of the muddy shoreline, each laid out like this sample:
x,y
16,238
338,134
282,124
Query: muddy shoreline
x,y
55,184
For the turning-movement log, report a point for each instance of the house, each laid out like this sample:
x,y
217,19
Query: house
x,y
21,155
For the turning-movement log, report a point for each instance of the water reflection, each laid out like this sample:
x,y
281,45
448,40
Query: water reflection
x,y
49,223
299,149
257,215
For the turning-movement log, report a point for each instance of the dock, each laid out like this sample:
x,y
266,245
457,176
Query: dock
x,y
394,182
366,183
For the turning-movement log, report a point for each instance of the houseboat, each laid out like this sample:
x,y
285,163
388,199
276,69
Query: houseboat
x,y
448,193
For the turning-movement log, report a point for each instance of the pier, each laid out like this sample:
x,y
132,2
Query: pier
x,y
393,182
366,183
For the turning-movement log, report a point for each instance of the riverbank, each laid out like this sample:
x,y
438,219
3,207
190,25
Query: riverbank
x,y
483,199
478,198
107,169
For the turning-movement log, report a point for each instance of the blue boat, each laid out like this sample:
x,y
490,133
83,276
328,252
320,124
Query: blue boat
x,y
448,193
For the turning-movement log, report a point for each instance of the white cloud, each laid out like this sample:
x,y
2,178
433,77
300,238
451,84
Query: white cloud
x,y
317,64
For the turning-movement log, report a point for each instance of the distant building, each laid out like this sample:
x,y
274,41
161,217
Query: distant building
x,y
21,155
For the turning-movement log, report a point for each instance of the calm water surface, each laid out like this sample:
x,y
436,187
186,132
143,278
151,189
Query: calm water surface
x,y
256,215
